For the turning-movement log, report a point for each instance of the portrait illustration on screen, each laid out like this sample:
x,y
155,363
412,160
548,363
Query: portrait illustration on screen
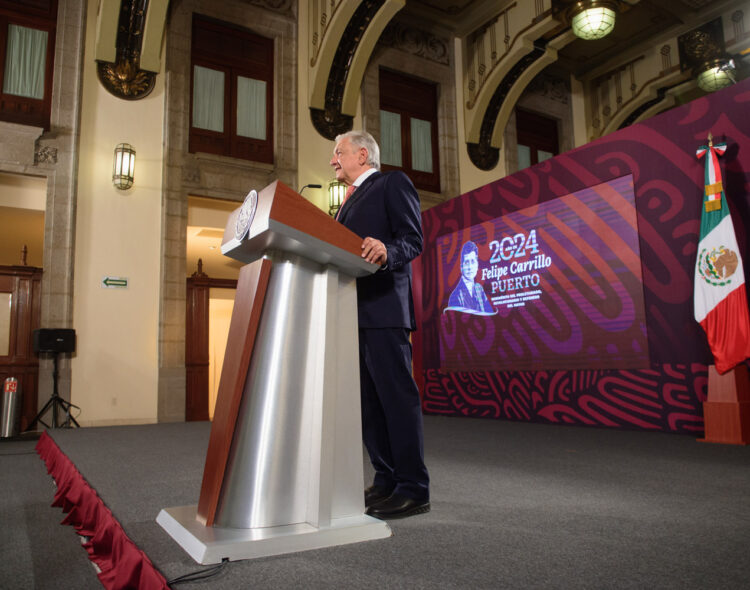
x,y
469,296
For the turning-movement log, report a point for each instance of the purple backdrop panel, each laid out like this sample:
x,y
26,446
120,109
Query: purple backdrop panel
x,y
553,286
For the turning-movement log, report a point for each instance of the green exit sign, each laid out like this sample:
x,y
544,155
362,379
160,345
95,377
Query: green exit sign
x,y
115,282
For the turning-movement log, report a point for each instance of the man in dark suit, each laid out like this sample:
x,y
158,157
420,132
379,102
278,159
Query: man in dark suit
x,y
385,209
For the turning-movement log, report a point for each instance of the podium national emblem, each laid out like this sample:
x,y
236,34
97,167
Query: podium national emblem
x,y
245,218
716,266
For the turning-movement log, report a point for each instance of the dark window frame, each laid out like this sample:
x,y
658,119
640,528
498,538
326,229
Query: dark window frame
x,y
537,132
34,14
412,97
220,46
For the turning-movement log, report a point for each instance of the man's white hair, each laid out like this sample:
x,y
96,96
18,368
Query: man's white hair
x,y
362,139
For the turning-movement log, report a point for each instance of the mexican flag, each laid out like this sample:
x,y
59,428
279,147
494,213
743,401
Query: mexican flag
x,y
720,301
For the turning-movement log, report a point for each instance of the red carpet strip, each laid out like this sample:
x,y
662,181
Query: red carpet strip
x,y
122,564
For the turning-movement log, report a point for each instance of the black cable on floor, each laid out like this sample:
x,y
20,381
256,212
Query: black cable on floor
x,y
199,574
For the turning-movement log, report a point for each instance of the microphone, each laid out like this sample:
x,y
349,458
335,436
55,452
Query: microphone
x,y
311,186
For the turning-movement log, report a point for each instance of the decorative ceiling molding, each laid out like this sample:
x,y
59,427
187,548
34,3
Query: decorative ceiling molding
x,y
325,16
702,45
551,87
128,46
153,35
340,62
283,7
649,95
647,82
493,51
659,100
330,121
416,42
483,154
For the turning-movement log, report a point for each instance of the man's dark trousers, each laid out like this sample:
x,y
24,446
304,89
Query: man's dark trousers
x,y
391,412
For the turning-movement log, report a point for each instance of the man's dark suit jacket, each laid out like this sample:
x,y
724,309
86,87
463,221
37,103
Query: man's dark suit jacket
x,y
386,207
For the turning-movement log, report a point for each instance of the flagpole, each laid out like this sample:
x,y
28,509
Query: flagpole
x,y
720,307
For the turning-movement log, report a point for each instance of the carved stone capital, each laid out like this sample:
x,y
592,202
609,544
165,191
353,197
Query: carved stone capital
x,y
45,154
125,80
483,156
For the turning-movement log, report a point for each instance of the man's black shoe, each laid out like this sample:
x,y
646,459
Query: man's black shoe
x,y
398,506
375,494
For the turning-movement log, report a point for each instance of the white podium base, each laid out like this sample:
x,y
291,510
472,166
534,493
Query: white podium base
x,y
208,545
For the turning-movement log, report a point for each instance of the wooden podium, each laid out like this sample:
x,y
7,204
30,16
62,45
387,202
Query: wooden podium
x,y
284,469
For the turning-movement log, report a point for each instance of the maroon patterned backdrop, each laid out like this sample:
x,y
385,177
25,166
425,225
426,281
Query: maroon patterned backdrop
x,y
668,182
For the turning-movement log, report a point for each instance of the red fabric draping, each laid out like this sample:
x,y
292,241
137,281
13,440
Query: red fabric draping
x,y
122,564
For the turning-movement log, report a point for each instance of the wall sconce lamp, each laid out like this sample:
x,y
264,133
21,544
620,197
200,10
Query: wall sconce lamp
x,y
592,19
336,193
124,166
716,74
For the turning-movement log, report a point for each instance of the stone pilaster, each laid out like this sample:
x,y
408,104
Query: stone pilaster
x,y
54,155
209,175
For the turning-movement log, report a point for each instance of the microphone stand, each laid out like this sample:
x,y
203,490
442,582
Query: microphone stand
x,y
311,186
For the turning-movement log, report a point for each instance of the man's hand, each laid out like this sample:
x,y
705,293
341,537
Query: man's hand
x,y
374,251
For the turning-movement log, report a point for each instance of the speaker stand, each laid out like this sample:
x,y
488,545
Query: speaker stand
x,y
56,403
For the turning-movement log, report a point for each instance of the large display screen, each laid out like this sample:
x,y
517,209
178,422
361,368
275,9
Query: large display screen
x,y
554,286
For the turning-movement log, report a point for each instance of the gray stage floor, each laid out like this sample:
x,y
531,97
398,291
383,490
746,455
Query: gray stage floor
x,y
513,506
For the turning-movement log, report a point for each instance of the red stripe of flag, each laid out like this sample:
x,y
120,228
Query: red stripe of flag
x,y
726,327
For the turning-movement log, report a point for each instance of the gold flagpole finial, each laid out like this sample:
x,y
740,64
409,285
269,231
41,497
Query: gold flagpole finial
x,y
710,139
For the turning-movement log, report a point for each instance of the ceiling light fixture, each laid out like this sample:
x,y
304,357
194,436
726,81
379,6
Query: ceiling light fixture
x,y
592,19
716,75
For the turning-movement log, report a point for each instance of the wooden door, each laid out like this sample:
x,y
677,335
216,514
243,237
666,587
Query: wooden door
x,y
20,315
196,342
